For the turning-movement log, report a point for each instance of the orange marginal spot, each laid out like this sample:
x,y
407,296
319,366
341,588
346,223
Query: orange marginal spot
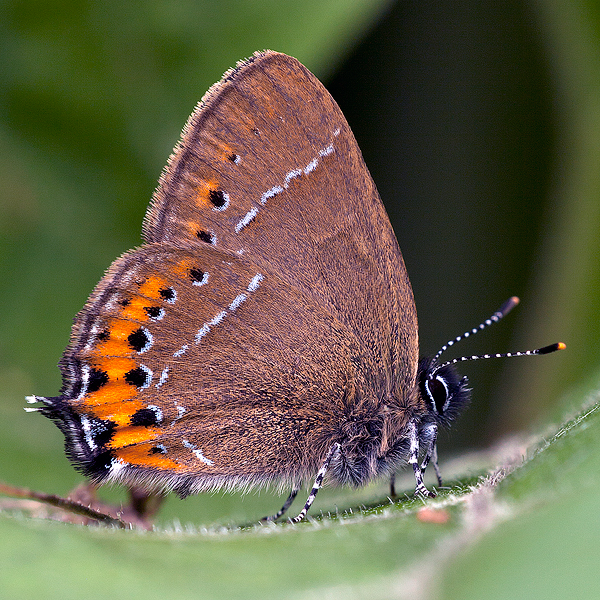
x,y
152,286
115,366
182,267
133,434
119,412
135,310
142,455
113,347
120,329
227,152
203,190
117,344
111,393
561,346
193,227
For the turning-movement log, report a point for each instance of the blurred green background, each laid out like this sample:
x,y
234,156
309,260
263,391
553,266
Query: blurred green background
x,y
479,121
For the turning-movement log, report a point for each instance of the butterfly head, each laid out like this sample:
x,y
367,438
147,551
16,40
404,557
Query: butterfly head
x,y
443,390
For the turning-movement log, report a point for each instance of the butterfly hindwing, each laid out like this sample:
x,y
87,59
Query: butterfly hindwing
x,y
177,368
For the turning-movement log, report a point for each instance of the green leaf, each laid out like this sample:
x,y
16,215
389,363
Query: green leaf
x,y
544,542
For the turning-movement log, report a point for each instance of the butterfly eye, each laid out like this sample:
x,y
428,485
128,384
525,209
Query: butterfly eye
x,y
438,394
444,392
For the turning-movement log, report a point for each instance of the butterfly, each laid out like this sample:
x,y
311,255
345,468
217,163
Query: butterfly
x,y
265,332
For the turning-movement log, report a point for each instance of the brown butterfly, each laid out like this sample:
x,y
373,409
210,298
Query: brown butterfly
x,y
266,331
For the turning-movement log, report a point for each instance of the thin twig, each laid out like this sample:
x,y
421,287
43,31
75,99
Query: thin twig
x,y
62,503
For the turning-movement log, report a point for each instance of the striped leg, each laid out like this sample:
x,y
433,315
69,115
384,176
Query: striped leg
x,y
285,506
434,460
413,459
431,454
318,481
432,435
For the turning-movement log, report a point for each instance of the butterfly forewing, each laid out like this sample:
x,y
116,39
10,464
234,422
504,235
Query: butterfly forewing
x,y
299,201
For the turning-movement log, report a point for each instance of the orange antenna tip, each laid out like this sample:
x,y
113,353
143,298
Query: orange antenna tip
x,y
551,348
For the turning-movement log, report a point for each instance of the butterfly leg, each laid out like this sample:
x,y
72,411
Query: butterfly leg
x,y
413,459
143,504
318,481
434,460
431,454
285,506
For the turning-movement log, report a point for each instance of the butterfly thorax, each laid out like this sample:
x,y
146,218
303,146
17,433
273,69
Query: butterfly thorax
x,y
374,438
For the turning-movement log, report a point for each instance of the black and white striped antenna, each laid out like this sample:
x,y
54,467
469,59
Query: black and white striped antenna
x,y
499,314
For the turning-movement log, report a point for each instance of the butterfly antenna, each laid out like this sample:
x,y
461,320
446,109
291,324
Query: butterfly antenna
x,y
501,312
545,350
